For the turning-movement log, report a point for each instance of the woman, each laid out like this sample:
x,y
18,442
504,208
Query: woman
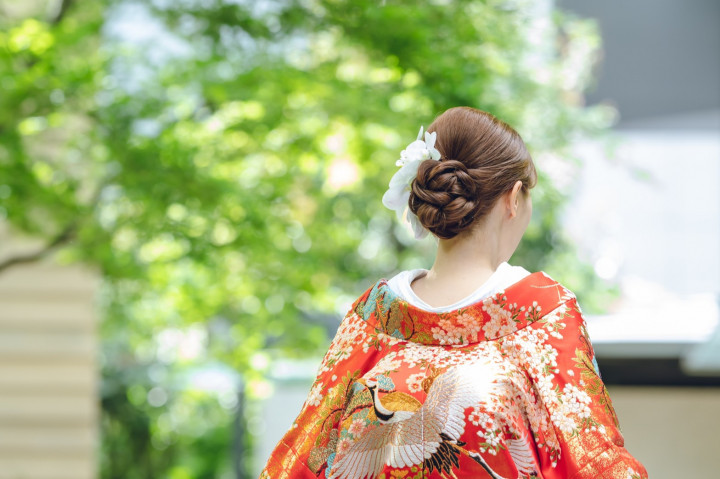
x,y
474,368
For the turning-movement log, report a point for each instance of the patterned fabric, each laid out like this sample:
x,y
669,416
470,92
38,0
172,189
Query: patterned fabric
x,y
504,388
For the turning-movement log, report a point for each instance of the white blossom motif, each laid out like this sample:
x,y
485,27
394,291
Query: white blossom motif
x,y
503,315
352,331
414,382
387,364
315,395
465,331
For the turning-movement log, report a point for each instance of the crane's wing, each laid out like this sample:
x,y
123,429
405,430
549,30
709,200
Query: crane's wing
x,y
398,444
522,454
457,389
410,441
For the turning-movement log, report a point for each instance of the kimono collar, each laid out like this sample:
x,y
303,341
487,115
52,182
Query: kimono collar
x,y
498,315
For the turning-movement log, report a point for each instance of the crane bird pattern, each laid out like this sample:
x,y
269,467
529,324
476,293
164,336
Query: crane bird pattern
x,y
505,388
426,434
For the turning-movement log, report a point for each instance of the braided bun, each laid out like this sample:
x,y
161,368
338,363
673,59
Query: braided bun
x,y
444,197
482,158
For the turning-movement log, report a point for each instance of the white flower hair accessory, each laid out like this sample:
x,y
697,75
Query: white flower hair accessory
x,y
397,196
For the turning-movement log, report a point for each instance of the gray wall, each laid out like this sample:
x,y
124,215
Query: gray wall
x,y
662,57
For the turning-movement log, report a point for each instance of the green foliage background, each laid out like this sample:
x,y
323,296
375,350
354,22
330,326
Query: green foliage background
x,y
221,164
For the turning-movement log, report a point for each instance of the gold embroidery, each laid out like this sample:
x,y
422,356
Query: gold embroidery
x,y
400,401
595,387
609,464
582,446
279,470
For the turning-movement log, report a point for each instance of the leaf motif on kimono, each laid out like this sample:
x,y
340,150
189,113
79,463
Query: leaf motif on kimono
x,y
359,308
394,322
319,455
360,400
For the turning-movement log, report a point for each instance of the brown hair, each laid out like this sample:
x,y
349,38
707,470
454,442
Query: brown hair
x,y
482,158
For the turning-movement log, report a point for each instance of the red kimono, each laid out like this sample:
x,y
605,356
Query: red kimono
x,y
504,388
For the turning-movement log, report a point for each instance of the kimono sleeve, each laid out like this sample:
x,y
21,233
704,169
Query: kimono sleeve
x,y
304,450
583,439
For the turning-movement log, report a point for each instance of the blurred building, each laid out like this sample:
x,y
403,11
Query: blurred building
x,y
649,217
48,371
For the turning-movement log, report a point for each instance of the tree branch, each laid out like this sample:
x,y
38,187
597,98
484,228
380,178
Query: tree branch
x,y
65,235
60,11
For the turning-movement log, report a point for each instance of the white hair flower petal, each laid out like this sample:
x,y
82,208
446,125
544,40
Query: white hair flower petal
x,y
397,196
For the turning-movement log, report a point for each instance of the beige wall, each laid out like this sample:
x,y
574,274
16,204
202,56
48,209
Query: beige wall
x,y
48,380
674,432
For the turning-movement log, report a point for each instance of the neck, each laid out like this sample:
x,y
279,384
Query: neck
x,y
382,413
467,258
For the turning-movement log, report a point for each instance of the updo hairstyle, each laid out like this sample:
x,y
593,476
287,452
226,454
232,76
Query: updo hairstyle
x,y
482,158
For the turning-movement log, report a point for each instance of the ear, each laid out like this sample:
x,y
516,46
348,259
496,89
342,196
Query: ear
x,y
513,199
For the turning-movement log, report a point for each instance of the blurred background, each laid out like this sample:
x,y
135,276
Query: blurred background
x,y
190,200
